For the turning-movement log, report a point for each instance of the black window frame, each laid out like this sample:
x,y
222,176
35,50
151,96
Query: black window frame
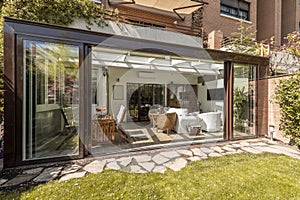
x,y
235,5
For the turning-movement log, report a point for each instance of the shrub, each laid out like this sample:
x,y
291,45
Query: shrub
x,y
287,95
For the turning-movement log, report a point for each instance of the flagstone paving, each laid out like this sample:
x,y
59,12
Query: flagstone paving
x,y
156,161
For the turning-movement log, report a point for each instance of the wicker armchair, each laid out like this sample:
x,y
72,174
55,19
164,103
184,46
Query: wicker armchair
x,y
154,111
166,122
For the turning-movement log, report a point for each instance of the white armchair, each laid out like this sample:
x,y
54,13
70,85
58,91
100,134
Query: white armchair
x,y
211,121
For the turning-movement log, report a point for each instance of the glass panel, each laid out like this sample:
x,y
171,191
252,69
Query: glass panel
x,y
244,94
51,100
162,104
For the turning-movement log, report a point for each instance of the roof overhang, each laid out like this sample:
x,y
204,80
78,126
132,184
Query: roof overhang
x,y
179,7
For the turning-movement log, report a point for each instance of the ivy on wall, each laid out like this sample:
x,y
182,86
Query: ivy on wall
x,y
59,12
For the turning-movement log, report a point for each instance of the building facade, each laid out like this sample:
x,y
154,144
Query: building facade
x,y
277,18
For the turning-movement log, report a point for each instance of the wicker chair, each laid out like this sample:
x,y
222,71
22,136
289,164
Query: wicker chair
x,y
166,122
153,112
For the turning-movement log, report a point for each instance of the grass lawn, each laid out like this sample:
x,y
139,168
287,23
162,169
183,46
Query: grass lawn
x,y
239,176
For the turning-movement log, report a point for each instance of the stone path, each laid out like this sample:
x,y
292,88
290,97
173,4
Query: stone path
x,y
158,161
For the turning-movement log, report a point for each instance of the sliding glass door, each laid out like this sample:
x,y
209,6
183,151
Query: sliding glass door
x,y
244,100
51,99
141,97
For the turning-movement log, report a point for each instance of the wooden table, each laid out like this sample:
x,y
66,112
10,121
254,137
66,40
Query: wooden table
x,y
108,127
103,130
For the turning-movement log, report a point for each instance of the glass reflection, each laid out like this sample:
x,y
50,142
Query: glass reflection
x,y
50,108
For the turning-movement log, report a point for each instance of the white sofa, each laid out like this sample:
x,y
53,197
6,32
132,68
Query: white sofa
x,y
184,120
211,121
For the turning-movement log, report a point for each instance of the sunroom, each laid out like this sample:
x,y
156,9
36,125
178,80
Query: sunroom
x,y
72,93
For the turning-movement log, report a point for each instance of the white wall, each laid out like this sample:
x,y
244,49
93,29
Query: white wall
x,y
126,75
208,106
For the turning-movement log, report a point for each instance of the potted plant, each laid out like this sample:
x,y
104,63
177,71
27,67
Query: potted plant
x,y
240,108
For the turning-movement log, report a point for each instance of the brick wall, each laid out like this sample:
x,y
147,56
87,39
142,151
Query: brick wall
x,y
262,102
213,20
288,20
274,109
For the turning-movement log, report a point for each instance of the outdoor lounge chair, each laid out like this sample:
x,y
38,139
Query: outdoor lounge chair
x,y
118,123
70,123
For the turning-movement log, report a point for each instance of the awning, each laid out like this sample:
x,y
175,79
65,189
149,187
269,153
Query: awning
x,y
105,57
181,6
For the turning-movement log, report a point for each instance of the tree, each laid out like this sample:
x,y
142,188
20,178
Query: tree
x,y
243,41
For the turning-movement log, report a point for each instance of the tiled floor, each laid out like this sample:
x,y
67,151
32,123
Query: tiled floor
x,y
144,162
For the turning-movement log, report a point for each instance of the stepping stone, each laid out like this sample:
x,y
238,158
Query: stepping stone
x,y
250,150
229,145
178,164
70,169
286,149
214,154
258,144
113,165
48,174
123,159
185,152
206,150
170,154
225,148
239,151
33,171
230,152
158,159
148,166
73,175
126,162
194,158
237,145
135,168
22,178
142,158
217,149
95,167
109,160
159,169
2,181
142,171
168,164
244,144
267,149
198,152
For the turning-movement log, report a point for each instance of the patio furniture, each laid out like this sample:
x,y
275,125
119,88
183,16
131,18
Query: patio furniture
x,y
118,123
70,120
166,122
211,121
194,129
153,114
184,120
187,121
107,126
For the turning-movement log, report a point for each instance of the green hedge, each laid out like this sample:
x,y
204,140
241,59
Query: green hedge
x,y
287,95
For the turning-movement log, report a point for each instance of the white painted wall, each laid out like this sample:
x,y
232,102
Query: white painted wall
x,y
126,75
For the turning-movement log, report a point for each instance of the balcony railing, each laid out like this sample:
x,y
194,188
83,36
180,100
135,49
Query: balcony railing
x,y
158,24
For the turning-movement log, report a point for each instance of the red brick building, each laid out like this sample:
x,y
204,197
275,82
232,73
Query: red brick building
x,y
277,18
